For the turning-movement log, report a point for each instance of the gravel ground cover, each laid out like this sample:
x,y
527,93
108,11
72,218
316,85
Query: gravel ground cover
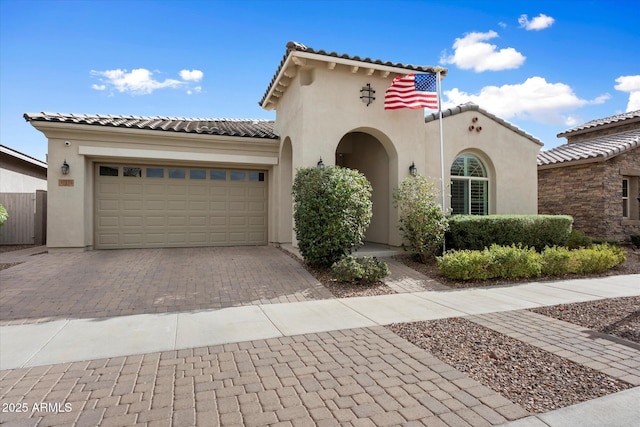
x,y
343,290
537,380
614,316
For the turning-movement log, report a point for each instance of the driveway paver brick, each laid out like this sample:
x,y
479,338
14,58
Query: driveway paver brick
x,y
110,283
342,378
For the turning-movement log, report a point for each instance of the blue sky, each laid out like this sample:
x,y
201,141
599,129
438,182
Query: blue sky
x,y
544,66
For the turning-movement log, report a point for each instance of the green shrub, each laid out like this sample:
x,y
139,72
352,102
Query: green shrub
x,y
635,239
597,258
514,261
577,239
556,261
466,265
422,222
510,262
365,269
481,231
4,215
332,210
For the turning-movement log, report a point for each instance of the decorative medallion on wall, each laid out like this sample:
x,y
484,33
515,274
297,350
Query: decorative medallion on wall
x,y
366,94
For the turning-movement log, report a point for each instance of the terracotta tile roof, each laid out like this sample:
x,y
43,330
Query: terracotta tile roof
x,y
226,127
596,149
612,120
470,106
299,47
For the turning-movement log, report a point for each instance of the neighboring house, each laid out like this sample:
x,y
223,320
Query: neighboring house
x,y
23,185
595,176
20,173
162,181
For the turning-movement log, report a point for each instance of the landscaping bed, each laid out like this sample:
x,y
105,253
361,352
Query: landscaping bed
x,y
630,266
615,316
535,379
343,290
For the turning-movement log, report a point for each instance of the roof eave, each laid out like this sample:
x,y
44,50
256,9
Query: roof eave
x,y
268,104
54,129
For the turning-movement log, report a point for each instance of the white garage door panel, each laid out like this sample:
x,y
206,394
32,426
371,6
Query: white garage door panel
x,y
140,206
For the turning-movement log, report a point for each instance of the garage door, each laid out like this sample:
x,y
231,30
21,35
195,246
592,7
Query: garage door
x,y
144,206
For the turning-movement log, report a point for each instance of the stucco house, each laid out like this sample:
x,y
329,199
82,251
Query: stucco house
x,y
23,185
170,181
595,177
20,173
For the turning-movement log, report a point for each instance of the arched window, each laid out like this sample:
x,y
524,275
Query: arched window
x,y
469,186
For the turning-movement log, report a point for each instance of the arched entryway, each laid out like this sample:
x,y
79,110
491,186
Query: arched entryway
x,y
366,153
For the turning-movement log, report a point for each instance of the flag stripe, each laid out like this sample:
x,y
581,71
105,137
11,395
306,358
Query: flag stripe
x,y
412,91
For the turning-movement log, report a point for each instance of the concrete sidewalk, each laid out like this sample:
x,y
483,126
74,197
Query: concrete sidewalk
x,y
73,340
321,362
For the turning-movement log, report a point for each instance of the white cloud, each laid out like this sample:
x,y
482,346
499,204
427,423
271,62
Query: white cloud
x,y
630,84
535,99
141,81
196,89
538,23
191,75
472,52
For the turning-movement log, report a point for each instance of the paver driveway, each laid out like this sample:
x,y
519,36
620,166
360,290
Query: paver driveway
x,y
137,281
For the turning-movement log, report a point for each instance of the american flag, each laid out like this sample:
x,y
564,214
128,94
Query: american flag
x,y
412,91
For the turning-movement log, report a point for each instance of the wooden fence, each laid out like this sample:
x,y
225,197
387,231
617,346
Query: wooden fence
x,y
27,222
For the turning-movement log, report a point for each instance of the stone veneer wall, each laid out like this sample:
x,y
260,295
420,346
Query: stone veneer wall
x,y
617,228
577,191
592,194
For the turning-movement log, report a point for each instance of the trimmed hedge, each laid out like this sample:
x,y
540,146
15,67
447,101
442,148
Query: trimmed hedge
x,y
476,232
511,262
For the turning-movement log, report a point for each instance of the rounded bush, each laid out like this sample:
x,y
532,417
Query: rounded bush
x,y
332,211
365,269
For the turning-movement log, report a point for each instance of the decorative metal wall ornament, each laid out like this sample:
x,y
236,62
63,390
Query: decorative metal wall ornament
x,y
366,94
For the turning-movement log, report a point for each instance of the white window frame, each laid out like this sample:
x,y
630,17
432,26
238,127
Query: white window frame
x,y
468,180
625,198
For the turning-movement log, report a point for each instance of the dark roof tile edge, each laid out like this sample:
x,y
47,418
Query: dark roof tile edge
x,y
293,46
470,106
160,123
601,122
554,156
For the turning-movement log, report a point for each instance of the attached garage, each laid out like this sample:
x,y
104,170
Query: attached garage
x,y
151,206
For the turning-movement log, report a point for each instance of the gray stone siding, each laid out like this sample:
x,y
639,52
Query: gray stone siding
x,y
592,194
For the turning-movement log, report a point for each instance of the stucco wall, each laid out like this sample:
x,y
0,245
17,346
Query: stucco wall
x,y
17,182
510,159
70,210
321,106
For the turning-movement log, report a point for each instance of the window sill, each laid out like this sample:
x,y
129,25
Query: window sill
x,y
630,222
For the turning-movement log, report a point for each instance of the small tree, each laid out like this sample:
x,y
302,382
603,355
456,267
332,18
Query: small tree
x,y
332,211
422,222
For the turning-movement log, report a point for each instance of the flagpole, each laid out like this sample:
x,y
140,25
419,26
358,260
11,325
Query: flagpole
x,y
439,89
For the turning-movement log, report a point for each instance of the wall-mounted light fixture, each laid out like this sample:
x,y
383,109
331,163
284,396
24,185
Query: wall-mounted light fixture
x,y
320,163
65,167
366,94
413,171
